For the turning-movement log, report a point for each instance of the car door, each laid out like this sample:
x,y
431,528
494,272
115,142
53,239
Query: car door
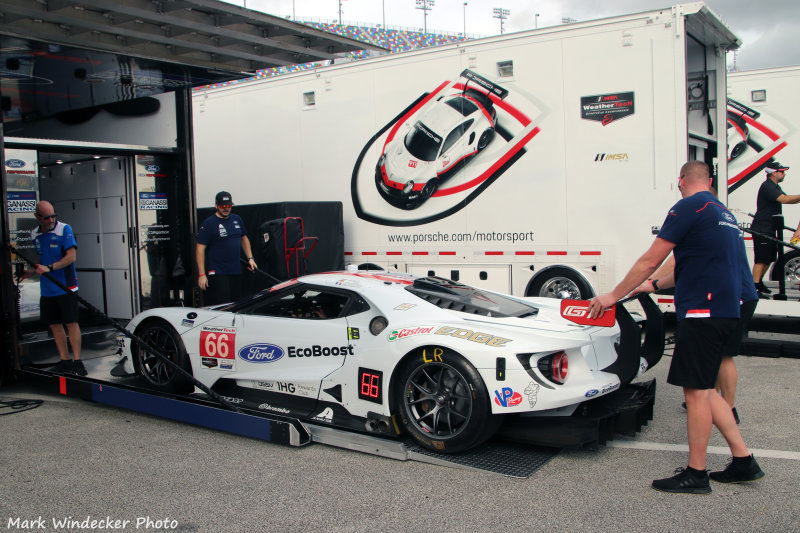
x,y
455,147
287,344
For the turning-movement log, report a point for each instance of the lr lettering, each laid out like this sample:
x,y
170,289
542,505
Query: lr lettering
x,y
436,356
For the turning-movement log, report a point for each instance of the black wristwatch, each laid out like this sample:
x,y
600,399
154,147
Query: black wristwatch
x,y
50,267
654,283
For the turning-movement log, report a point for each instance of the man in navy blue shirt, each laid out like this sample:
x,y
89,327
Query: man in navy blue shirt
x,y
708,248
769,204
57,249
218,242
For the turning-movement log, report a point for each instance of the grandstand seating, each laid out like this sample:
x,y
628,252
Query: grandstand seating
x,y
394,40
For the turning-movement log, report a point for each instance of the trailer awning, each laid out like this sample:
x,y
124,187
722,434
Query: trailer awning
x,y
91,52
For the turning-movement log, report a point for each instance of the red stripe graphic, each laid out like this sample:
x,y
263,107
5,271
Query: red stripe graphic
x,y
764,158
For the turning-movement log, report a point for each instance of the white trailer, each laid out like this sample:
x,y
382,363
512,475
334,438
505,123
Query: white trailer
x,y
591,124
764,126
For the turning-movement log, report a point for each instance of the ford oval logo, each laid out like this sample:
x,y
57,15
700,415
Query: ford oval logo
x,y
15,163
261,353
152,168
591,393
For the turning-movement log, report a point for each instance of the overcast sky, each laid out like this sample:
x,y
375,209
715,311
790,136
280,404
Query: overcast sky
x,y
769,29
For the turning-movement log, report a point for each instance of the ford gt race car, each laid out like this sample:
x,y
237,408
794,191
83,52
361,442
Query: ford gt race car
x,y
389,353
433,144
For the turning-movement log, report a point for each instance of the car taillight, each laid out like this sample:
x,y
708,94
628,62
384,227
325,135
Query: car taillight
x,y
560,366
554,367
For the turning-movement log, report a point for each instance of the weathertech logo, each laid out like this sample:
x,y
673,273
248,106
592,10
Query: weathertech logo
x,y
611,157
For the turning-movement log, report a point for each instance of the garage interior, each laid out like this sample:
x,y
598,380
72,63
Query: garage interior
x,y
98,93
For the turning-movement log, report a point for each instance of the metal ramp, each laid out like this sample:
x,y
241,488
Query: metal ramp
x,y
508,459
505,458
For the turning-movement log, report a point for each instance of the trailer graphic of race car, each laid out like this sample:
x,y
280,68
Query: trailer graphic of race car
x,y
383,353
430,145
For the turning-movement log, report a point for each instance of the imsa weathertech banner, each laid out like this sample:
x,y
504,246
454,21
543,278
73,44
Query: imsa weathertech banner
x,y
606,108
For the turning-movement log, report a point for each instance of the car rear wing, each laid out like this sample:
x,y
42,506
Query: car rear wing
x,y
486,84
631,348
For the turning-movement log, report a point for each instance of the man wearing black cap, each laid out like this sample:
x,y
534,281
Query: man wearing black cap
x,y
218,242
768,204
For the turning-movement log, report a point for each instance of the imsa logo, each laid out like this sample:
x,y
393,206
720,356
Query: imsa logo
x,y
611,157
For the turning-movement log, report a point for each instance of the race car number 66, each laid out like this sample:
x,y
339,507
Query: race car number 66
x,y
213,344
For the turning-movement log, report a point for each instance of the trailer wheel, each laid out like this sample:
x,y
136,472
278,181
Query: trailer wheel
x,y
159,374
560,283
788,266
443,403
486,138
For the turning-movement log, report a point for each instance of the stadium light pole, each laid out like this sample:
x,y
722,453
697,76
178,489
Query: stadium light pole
x,y
536,21
502,14
425,6
465,19
340,12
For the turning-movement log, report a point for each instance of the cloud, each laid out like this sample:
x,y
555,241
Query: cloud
x,y
778,47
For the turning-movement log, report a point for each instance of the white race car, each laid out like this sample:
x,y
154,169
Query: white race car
x,y
385,352
434,143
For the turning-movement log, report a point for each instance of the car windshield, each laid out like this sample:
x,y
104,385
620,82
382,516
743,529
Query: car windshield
x,y
462,105
449,294
422,143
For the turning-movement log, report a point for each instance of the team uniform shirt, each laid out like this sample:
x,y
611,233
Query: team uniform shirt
x,y
748,285
708,257
767,205
52,247
223,239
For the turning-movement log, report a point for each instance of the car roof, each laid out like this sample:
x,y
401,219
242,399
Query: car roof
x,y
441,118
360,278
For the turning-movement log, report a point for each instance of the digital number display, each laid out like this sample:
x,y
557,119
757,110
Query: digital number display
x,y
370,385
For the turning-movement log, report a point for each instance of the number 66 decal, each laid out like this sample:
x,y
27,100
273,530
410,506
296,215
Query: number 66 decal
x,y
218,342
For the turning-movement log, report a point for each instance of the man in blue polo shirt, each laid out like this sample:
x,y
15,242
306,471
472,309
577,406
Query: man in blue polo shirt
x,y
708,248
218,242
57,248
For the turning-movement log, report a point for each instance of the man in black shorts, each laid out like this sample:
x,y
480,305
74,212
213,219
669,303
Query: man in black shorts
x,y
56,245
769,203
709,268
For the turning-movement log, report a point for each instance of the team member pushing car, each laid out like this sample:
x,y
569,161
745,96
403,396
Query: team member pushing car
x,y
708,249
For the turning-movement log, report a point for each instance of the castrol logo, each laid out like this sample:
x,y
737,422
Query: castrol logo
x,y
408,332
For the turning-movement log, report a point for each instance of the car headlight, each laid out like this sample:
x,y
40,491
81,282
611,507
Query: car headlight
x,y
409,186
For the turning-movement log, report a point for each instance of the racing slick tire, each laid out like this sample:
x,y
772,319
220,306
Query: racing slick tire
x,y
427,191
486,138
156,372
443,403
788,267
560,283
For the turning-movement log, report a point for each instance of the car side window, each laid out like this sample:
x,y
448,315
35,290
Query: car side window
x,y
306,303
456,134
